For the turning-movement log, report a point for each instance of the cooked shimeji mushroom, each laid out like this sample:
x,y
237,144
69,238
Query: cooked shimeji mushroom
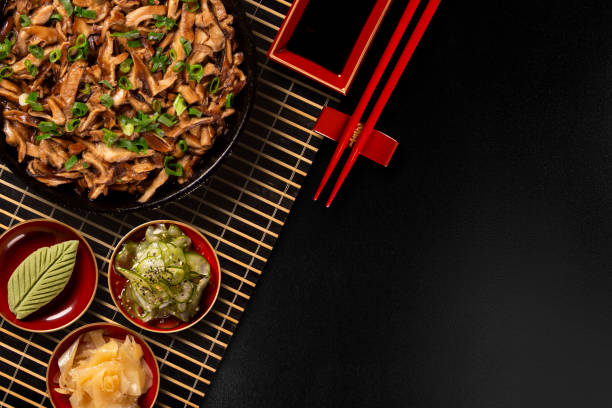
x,y
121,95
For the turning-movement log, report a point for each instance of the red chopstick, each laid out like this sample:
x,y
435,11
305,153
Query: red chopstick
x,y
367,94
430,9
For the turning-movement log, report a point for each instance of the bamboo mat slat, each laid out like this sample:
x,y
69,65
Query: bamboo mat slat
x,y
241,211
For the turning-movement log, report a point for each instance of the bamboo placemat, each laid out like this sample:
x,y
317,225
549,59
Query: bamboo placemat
x,y
241,211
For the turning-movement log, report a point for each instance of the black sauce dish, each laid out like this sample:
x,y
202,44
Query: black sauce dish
x,y
119,202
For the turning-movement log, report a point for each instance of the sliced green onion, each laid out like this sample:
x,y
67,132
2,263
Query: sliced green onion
x,y
43,136
67,6
72,124
172,54
182,144
31,68
124,83
127,125
85,13
55,17
24,20
179,104
159,62
109,137
179,66
134,44
137,146
156,105
126,65
107,100
195,112
106,84
155,36
214,86
133,34
167,119
163,21
196,72
75,53
172,168
32,100
7,45
36,51
186,45
85,165
55,55
86,89
6,72
229,99
192,5
70,162
79,109
81,41
47,127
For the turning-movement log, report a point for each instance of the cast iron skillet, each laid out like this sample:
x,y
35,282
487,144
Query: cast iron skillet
x,y
119,202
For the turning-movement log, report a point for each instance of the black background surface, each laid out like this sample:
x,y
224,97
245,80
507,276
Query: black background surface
x,y
474,271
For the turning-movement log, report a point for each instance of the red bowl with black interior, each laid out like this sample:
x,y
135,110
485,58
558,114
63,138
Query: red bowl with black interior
x,y
116,331
20,241
199,244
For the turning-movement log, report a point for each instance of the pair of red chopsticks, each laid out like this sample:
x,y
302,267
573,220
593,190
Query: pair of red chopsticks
x,y
353,122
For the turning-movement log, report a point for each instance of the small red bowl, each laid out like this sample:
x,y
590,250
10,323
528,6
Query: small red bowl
x,y
116,282
20,241
111,330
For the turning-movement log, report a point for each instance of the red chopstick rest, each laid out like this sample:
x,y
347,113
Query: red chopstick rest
x,y
379,148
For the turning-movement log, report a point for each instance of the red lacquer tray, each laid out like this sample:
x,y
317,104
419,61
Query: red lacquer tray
x,y
199,244
111,330
20,241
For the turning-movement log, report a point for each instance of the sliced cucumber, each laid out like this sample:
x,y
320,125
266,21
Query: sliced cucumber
x,y
197,263
150,268
185,292
125,257
156,232
176,274
174,231
182,242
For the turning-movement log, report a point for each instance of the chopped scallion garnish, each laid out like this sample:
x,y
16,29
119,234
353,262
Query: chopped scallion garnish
x,y
172,168
31,68
6,72
70,162
155,36
196,72
32,100
107,100
186,46
167,119
79,109
67,6
109,137
214,86
195,112
85,13
55,55
133,34
179,104
36,51
124,83
182,144
229,99
106,84
126,65
24,20
72,124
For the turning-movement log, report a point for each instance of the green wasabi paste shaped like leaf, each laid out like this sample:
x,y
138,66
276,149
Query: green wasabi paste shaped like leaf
x,y
41,277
